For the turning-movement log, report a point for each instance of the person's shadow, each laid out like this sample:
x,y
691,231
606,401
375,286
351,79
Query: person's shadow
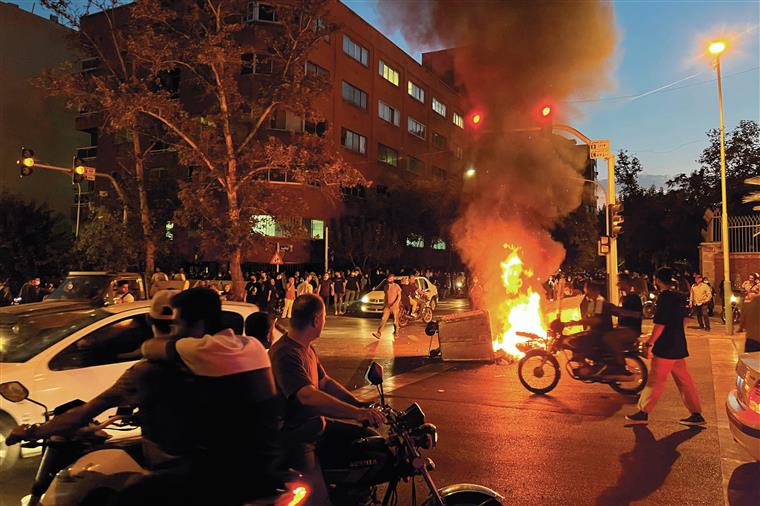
x,y
646,466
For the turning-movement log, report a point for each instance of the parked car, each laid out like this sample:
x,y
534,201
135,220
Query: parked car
x,y
97,288
743,404
372,302
62,351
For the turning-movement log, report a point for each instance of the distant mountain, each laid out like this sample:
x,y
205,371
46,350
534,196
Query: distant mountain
x,y
647,180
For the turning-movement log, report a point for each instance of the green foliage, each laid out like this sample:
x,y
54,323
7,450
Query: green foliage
x,y
34,240
104,244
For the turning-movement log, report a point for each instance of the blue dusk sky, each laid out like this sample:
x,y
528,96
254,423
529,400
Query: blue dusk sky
x,y
660,47
661,43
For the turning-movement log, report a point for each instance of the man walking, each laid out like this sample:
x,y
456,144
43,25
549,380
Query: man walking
x,y
668,345
392,301
699,299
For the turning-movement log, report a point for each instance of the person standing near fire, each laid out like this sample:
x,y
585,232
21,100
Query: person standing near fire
x,y
392,304
668,351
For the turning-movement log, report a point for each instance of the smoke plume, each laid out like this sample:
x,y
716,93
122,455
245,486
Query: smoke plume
x,y
510,58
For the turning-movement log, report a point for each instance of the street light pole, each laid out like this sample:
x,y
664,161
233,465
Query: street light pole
x,y
716,48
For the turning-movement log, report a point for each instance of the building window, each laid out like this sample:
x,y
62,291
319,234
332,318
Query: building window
x,y
355,51
312,69
416,92
458,152
415,241
354,95
317,229
263,224
416,128
439,244
439,107
439,141
353,141
439,173
260,11
388,73
315,127
457,119
387,155
246,63
415,165
388,113
262,64
354,191
278,120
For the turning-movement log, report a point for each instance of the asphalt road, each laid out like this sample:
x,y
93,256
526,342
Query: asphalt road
x,y
568,448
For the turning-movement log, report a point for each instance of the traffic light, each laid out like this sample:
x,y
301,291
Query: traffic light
x,y
475,119
616,220
545,117
26,163
77,170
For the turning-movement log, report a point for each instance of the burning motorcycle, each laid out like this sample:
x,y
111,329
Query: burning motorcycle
x,y
539,370
85,469
394,458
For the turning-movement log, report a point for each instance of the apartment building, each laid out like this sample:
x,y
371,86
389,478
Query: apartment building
x,y
391,117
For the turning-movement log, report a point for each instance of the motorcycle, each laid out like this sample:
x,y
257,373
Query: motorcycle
x,y
86,469
736,310
539,370
424,312
649,305
393,458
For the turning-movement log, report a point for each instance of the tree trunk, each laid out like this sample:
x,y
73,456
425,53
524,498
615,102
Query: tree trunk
x,y
236,255
236,272
145,216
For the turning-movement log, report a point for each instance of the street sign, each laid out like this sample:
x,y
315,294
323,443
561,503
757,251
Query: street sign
x,y
600,149
276,259
89,173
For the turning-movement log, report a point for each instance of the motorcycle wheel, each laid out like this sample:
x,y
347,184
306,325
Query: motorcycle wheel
x,y
638,380
427,314
467,499
403,318
736,315
648,310
8,454
433,303
538,371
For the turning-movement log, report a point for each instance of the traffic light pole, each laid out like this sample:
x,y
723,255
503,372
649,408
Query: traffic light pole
x,y
109,177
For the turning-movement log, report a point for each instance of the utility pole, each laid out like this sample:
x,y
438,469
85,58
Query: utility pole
x,y
327,245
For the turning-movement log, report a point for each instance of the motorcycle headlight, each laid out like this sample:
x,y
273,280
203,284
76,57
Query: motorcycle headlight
x,y
733,299
365,299
651,296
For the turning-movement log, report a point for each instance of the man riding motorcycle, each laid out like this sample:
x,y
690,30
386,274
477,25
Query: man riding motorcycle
x,y
311,396
596,318
187,402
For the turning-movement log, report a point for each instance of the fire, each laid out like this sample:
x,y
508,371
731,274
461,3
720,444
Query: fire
x,y
522,305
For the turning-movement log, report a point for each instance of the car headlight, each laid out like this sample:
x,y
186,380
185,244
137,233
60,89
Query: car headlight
x,y
365,299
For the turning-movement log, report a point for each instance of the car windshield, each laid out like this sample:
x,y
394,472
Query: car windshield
x,y
80,288
21,338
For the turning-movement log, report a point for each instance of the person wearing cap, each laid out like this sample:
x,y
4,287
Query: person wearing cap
x,y
668,351
127,391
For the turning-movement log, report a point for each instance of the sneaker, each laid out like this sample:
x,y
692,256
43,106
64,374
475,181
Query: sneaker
x,y
694,420
639,417
376,335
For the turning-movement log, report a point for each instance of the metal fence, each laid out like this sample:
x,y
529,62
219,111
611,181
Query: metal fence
x,y
743,233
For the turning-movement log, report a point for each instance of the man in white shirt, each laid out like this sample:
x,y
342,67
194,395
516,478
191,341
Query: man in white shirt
x,y
700,296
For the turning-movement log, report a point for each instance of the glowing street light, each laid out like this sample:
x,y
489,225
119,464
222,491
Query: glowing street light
x,y
716,48
470,173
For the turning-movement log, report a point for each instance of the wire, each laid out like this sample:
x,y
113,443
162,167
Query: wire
x,y
661,89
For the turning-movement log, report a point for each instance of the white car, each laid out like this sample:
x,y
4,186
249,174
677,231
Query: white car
x,y
743,404
372,302
62,350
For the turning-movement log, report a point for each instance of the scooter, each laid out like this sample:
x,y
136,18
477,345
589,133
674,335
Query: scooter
x,y
85,469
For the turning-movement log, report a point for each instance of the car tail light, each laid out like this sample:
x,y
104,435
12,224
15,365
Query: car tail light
x,y
753,398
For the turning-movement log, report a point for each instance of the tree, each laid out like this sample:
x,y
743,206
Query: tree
x,y
34,240
232,78
742,162
108,90
104,244
627,170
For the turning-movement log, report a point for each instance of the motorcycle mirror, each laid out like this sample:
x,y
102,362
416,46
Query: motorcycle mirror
x,y
374,374
431,328
14,391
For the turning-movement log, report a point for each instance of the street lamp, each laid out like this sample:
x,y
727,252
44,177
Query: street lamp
x,y
716,48
470,173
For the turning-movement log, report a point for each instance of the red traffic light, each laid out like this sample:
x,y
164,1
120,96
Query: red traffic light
x,y
546,111
475,119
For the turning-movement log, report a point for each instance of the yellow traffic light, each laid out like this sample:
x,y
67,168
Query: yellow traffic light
x,y
26,162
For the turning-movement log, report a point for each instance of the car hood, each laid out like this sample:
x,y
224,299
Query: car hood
x,y
39,308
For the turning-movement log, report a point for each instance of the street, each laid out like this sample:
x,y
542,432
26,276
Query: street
x,y
570,447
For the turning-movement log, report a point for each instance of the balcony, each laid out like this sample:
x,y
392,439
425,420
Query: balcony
x,y
87,153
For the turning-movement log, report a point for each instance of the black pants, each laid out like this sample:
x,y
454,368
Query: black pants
x,y
703,318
